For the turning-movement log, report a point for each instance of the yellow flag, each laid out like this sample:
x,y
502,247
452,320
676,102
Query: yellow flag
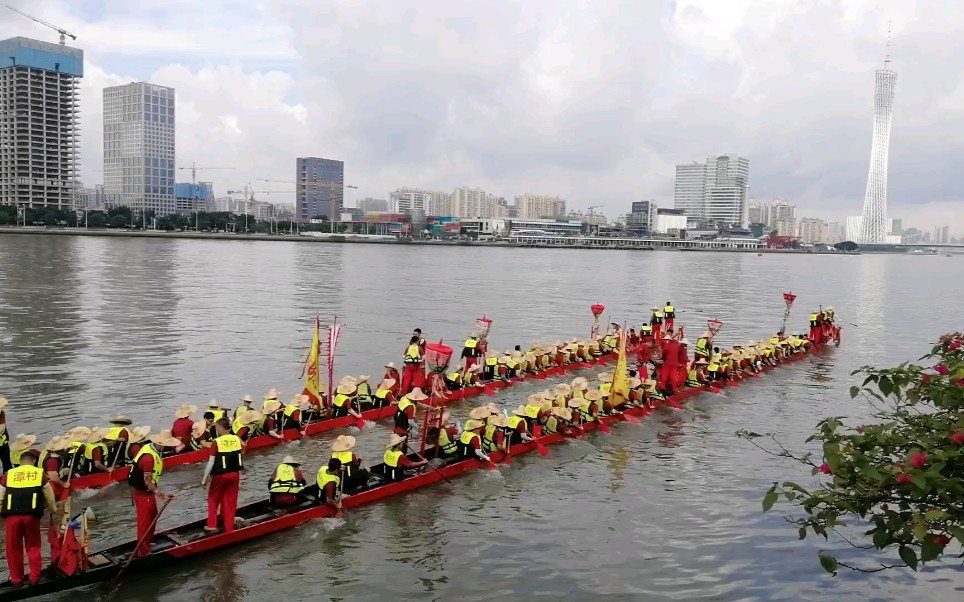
x,y
619,392
311,373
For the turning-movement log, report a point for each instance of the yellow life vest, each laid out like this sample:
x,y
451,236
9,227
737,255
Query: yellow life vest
x,y
701,346
491,361
514,422
382,393
445,443
324,478
290,409
24,492
584,411
341,400
413,355
285,480
454,377
158,462
471,343
692,379
605,387
392,457
345,457
89,451
533,411
228,456
265,405
669,310
467,437
404,404
114,434
775,341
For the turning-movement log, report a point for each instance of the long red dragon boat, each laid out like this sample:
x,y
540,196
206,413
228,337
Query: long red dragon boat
x,y
261,518
102,479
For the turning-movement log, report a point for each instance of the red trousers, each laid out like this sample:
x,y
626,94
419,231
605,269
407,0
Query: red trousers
x,y
145,504
223,496
670,322
658,333
667,376
470,361
412,376
23,531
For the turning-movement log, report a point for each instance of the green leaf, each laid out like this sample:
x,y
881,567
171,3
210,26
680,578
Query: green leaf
x,y
909,556
935,514
854,391
919,531
929,550
957,532
886,386
829,564
881,539
770,498
920,481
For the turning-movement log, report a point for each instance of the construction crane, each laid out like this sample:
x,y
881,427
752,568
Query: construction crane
x,y
60,30
194,169
318,183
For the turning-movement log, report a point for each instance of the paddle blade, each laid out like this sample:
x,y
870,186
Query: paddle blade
x,y
673,403
360,423
492,465
489,391
508,458
542,449
605,428
631,418
540,375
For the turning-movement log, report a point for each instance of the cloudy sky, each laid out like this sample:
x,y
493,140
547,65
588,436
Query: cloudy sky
x,y
594,101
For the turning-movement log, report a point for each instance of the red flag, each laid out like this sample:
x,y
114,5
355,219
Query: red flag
x,y
71,554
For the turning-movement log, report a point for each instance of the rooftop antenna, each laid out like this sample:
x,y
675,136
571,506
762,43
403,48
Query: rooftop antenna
x,y
887,56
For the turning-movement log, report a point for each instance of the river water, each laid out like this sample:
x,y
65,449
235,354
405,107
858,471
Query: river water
x,y
666,510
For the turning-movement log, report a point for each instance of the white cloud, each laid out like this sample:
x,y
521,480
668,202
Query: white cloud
x,y
592,100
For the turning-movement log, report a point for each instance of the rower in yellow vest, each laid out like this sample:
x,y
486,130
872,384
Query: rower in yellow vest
x,y
287,483
329,484
491,371
19,445
270,396
395,460
606,381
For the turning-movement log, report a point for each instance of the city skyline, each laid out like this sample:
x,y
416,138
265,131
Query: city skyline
x,y
273,115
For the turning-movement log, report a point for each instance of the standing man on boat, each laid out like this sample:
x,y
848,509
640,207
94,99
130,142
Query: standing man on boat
x,y
413,364
26,495
669,315
223,470
656,323
471,351
4,436
143,479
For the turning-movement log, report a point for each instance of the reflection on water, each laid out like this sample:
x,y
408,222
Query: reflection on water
x,y
667,511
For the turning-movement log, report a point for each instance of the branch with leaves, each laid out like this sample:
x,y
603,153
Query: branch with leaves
x,y
903,474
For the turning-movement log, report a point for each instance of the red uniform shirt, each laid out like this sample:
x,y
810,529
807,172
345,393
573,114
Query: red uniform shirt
x,y
146,464
182,429
97,455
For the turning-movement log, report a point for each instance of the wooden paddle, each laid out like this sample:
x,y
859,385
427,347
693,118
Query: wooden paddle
x,y
116,581
603,426
630,418
542,448
429,464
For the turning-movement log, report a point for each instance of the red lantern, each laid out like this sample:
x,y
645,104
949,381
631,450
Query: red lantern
x,y
597,309
437,355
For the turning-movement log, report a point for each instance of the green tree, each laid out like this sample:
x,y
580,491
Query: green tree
x,y
96,219
902,474
119,221
8,215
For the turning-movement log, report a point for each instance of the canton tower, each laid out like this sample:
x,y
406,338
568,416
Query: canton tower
x,y
874,223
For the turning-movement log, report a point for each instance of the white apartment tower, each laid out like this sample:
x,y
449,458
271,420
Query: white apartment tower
x,y
432,202
475,203
715,192
535,206
139,147
39,120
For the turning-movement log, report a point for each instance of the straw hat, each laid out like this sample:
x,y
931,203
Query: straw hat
x,y
605,392
594,395
272,394
97,435
605,377
214,405
363,378
198,429
562,389
271,406
346,389
22,442
634,382
495,409
520,411
530,357
390,365
185,411
498,420
246,400
576,402
348,380
504,359
3,402
121,420
649,382
138,434
481,413
77,433
343,443
395,440
580,383
164,439
701,362
386,384
563,413
251,417
471,425
536,399
58,443
416,395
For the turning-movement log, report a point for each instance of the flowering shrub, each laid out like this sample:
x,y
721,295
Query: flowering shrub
x,y
903,475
